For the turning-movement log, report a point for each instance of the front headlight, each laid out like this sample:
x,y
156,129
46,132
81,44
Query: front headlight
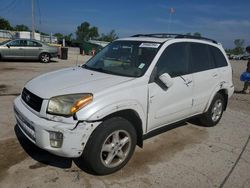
x,y
67,105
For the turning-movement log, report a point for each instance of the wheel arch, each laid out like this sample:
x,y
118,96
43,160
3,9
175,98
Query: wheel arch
x,y
224,93
133,117
44,52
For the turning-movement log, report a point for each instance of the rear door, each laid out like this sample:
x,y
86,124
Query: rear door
x,y
206,76
33,49
222,66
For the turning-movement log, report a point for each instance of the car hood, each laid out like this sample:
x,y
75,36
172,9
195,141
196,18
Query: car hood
x,y
72,80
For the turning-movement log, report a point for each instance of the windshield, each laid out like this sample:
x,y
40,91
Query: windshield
x,y
124,58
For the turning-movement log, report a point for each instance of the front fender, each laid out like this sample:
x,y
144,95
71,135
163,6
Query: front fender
x,y
119,106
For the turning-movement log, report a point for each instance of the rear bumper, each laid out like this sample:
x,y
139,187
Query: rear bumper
x,y
53,54
37,130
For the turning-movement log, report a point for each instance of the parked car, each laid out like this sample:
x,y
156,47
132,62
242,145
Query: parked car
x,y
27,49
126,93
245,57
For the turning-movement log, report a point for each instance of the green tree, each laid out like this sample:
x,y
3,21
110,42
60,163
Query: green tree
x,y
84,32
21,28
5,24
109,37
239,49
59,36
68,38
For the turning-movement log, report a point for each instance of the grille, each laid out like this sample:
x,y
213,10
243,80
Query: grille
x,y
32,100
25,125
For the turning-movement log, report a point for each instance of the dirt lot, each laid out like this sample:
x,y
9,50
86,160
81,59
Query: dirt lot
x,y
188,156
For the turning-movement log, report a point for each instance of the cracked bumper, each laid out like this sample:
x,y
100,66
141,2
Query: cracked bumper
x,y
37,129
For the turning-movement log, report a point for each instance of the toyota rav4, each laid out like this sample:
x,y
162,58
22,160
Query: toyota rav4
x,y
135,86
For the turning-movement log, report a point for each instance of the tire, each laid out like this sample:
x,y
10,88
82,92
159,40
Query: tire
x,y
110,146
44,57
214,113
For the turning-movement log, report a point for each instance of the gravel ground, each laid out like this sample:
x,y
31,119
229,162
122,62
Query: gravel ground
x,y
188,156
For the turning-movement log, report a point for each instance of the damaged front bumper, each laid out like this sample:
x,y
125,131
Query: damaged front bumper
x,y
62,139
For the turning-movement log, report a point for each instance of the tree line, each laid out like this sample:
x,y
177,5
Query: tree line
x,y
84,32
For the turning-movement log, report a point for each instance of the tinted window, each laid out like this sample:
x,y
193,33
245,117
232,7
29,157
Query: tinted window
x,y
218,57
14,43
200,57
18,43
33,44
174,60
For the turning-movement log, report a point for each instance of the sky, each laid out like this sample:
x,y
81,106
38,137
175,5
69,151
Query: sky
x,y
222,20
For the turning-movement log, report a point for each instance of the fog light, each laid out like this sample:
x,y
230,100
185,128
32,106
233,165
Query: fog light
x,y
56,139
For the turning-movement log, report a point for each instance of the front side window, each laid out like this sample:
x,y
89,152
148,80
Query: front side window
x,y
174,60
124,58
18,43
14,43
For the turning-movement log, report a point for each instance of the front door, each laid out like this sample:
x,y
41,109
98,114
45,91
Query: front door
x,y
168,105
15,49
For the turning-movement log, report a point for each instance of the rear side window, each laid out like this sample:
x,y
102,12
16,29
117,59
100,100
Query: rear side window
x,y
200,57
218,57
174,60
33,44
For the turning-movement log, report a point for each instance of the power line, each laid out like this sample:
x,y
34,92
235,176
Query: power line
x,y
9,8
9,5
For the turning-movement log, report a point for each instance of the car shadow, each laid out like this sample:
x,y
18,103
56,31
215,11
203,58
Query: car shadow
x,y
40,155
239,92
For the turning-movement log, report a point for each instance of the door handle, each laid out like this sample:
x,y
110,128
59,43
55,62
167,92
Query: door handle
x,y
215,75
188,82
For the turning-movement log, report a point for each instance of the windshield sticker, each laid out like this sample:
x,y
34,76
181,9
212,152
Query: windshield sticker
x,y
149,45
141,65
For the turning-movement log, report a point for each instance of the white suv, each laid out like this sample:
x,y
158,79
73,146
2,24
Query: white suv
x,y
126,93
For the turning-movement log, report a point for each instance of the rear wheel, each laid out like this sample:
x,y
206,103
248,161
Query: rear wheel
x,y
110,146
44,58
214,113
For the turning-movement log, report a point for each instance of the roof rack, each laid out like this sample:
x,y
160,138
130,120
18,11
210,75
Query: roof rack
x,y
174,35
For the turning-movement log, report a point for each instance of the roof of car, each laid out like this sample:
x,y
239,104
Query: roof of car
x,y
145,39
163,37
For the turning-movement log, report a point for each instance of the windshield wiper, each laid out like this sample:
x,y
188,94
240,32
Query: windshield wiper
x,y
94,68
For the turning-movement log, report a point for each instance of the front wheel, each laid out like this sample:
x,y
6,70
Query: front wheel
x,y
110,146
214,113
44,58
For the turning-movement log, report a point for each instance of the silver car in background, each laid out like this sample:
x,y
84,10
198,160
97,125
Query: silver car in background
x,y
27,49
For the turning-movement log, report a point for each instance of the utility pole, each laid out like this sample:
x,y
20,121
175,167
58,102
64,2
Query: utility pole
x,y
171,11
33,19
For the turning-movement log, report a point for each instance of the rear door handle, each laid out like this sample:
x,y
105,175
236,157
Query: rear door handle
x,y
188,82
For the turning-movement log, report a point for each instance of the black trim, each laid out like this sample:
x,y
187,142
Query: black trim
x,y
164,129
174,35
32,100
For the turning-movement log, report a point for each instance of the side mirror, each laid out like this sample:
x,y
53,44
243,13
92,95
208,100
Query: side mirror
x,y
8,45
166,80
